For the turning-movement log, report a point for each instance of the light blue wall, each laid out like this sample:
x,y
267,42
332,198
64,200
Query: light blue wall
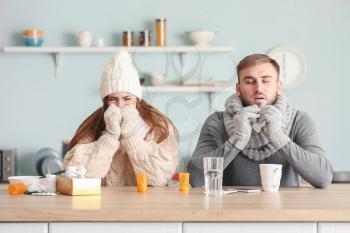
x,y
38,111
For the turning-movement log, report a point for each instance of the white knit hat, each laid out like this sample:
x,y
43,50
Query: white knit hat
x,y
119,75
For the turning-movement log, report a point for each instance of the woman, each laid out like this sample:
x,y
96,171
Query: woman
x,y
126,135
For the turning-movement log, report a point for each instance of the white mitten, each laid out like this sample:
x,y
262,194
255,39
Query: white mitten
x,y
273,124
241,126
113,118
130,117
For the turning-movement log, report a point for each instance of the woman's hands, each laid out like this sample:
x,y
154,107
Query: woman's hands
x,y
121,120
130,117
113,119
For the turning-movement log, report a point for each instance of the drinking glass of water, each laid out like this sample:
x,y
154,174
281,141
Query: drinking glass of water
x,y
213,170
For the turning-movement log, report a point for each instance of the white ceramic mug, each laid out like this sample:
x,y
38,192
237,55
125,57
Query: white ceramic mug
x,y
84,38
270,176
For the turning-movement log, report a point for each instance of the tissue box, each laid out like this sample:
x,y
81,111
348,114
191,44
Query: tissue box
x,y
78,186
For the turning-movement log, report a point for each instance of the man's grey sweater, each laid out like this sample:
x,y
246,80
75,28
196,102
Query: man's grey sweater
x,y
303,156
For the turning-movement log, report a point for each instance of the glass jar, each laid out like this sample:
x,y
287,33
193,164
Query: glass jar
x,y
128,38
145,38
161,29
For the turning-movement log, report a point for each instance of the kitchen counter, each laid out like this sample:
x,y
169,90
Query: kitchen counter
x,y
305,204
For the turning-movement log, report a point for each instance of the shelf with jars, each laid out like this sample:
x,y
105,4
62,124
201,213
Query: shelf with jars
x,y
56,51
149,49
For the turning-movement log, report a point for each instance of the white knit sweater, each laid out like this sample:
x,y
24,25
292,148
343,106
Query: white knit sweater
x,y
118,161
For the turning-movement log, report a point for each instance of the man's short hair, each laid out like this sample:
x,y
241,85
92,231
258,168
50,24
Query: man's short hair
x,y
256,59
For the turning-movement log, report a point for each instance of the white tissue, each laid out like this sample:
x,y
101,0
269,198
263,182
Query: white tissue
x,y
47,184
75,172
36,186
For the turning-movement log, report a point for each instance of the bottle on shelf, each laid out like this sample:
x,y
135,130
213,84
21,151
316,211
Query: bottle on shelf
x,y
145,38
161,29
128,38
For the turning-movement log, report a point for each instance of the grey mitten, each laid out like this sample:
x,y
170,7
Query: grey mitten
x,y
240,128
273,125
113,118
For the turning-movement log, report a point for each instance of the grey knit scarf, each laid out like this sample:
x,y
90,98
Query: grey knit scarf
x,y
258,148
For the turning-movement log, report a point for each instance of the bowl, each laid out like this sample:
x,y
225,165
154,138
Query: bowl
x,y
33,42
33,33
201,38
33,37
28,180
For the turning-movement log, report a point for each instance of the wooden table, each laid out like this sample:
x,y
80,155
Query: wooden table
x,y
124,204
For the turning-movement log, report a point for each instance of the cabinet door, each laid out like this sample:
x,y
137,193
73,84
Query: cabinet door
x,y
333,227
119,227
251,227
24,227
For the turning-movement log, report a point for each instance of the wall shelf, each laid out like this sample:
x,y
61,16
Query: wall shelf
x,y
56,51
173,89
208,90
151,49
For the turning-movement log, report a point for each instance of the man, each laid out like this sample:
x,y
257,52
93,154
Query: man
x,y
260,126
